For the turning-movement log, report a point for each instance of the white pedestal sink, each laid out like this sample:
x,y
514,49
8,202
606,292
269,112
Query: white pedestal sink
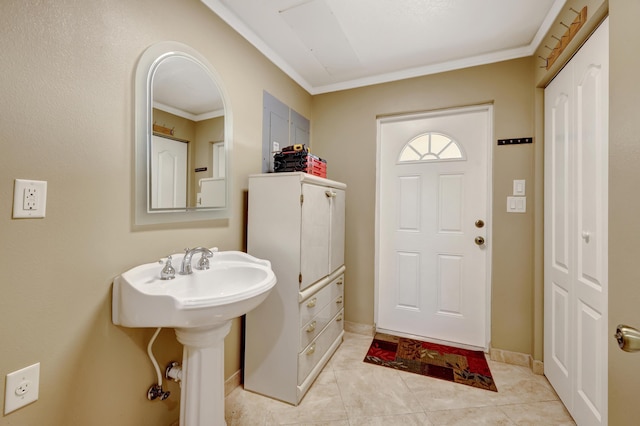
x,y
200,307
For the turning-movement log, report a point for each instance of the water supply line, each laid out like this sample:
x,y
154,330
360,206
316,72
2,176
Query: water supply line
x,y
156,391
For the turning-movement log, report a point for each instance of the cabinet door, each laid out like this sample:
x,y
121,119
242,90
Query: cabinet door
x,y
314,247
336,248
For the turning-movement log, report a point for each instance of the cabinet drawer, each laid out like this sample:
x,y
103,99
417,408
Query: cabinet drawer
x,y
312,354
310,330
313,305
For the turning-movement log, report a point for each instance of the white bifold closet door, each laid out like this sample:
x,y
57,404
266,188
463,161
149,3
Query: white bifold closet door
x,y
576,203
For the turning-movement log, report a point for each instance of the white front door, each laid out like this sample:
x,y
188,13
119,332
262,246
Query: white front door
x,y
576,237
433,225
168,173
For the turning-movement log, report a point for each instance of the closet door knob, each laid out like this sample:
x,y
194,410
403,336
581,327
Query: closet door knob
x,y
479,241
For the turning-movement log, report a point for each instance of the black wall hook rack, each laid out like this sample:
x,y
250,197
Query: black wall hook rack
x,y
514,141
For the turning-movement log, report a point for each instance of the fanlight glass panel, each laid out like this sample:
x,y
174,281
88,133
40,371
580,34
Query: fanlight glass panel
x,y
431,146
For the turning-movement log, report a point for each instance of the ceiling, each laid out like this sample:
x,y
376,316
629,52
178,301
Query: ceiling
x,y
329,45
184,87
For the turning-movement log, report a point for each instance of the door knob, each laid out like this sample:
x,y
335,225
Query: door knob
x,y
479,240
479,223
628,338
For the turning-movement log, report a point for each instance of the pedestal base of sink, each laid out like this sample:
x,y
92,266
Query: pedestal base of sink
x,y
202,394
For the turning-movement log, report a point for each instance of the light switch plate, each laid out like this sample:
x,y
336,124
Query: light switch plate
x,y
516,204
519,187
29,199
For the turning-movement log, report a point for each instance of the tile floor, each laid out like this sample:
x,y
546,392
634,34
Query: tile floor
x,y
350,392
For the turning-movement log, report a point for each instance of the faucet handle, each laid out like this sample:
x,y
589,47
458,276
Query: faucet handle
x,y
203,262
168,272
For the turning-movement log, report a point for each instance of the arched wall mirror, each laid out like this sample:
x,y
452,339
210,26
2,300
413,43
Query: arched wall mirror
x,y
183,137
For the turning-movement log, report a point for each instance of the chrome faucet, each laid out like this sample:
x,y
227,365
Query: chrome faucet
x,y
203,263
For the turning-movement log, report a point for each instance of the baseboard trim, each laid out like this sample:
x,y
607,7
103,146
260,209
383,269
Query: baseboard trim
x,y
537,367
516,358
354,327
232,382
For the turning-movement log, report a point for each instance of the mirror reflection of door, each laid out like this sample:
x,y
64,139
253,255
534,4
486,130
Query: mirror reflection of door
x,y
212,189
218,160
168,173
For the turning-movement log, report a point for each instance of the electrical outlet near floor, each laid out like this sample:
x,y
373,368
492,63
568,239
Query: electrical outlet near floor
x,y
21,388
29,198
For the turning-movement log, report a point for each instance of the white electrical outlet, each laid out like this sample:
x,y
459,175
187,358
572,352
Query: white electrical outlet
x,y
21,388
29,198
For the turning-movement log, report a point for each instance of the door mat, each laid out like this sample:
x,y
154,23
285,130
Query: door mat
x,y
430,359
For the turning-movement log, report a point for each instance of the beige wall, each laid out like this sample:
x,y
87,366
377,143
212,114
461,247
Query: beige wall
x,y
624,206
344,132
66,117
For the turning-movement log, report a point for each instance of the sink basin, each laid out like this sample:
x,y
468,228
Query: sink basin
x,y
235,284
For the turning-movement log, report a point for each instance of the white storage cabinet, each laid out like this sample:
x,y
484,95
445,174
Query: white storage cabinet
x,y
297,222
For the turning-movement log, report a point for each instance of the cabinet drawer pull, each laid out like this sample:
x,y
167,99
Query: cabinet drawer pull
x,y
339,301
330,194
311,349
312,303
339,318
339,282
311,328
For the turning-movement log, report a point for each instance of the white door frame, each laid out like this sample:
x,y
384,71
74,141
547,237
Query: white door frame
x,y
489,225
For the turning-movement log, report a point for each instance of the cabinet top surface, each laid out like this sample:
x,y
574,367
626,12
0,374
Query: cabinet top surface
x,y
303,177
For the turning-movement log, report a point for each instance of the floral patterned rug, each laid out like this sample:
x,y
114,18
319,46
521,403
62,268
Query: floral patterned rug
x,y
430,359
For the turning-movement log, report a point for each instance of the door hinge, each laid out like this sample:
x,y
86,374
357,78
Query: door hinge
x,y
300,278
301,198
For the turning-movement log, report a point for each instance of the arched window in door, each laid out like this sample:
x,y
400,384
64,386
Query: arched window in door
x,y
431,146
